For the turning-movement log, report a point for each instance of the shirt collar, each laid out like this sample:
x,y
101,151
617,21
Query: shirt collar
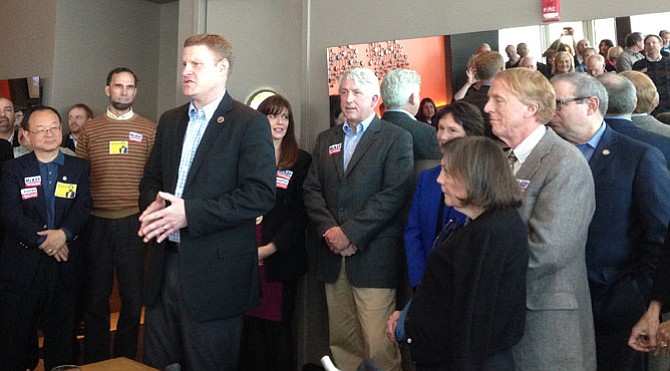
x,y
360,127
208,109
402,111
595,139
618,117
126,116
58,160
523,150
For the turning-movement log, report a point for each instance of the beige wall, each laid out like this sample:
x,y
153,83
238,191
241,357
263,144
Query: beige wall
x,y
95,36
27,28
72,44
266,36
168,57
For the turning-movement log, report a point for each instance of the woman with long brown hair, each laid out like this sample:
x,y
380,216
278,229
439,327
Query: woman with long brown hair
x,y
267,337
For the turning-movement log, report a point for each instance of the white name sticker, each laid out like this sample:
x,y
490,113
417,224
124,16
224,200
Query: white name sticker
x,y
135,137
27,193
335,148
523,184
283,178
32,181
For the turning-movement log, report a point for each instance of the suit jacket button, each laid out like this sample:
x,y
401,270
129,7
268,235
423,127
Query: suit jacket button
x,y
409,340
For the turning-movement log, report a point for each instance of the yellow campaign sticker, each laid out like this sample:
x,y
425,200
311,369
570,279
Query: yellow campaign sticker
x,y
118,147
66,190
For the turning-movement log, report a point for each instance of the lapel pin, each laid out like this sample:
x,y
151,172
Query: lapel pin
x,y
606,152
64,178
220,119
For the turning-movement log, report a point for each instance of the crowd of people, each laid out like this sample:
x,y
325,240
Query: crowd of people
x,y
520,227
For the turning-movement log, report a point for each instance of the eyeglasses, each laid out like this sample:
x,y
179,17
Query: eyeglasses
x,y
561,102
42,132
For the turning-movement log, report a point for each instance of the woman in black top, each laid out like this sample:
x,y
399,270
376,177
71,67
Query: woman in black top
x,y
470,306
267,336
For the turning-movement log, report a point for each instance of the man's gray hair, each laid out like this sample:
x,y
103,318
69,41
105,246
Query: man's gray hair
x,y
364,78
586,86
398,85
621,91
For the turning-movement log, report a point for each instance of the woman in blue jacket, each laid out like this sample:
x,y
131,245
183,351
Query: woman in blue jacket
x,y
429,213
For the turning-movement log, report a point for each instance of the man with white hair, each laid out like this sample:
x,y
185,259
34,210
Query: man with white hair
x,y
400,92
528,62
524,52
620,108
483,48
595,65
354,194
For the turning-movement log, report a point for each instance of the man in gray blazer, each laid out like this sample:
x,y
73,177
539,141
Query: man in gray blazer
x,y
354,193
559,202
400,93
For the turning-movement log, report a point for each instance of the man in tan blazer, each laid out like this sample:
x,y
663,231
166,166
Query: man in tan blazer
x,y
559,202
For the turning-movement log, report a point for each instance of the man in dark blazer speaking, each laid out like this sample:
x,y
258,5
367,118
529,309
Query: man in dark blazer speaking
x,y
354,193
210,174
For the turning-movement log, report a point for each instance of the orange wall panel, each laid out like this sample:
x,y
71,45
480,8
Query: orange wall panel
x,y
426,56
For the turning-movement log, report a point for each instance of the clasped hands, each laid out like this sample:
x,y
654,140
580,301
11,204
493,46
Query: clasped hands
x,y
55,244
160,220
338,242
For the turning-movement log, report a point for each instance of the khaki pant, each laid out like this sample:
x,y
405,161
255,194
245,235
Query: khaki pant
x,y
357,324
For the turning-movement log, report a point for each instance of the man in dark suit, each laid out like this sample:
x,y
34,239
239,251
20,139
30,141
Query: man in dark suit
x,y
400,93
622,100
354,193
632,213
40,253
210,174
